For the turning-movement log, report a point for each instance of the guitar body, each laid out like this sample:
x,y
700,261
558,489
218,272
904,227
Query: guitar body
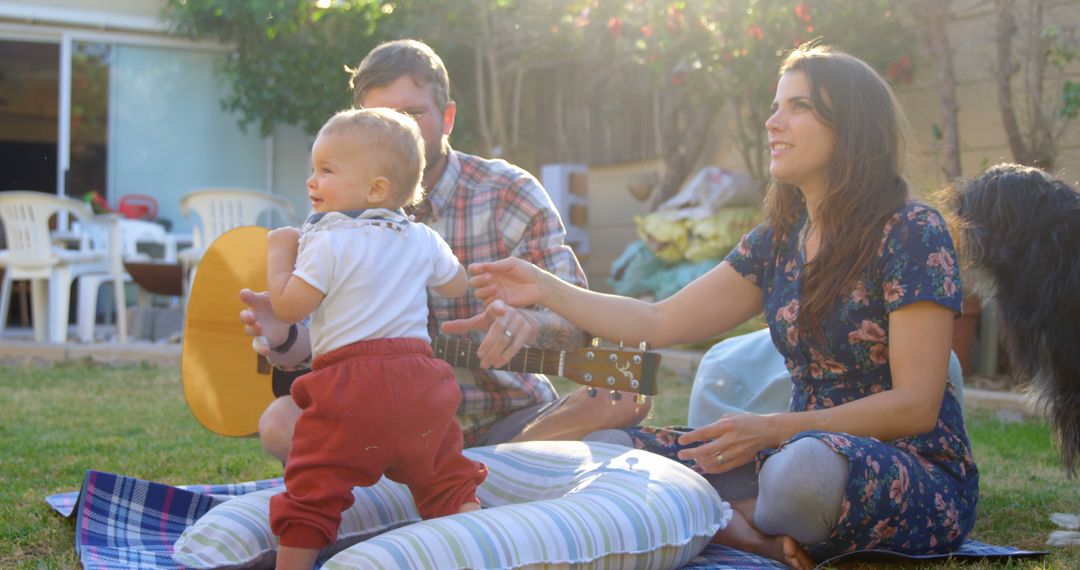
x,y
222,383
228,385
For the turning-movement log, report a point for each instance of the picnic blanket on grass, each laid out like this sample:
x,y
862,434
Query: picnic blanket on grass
x,y
124,522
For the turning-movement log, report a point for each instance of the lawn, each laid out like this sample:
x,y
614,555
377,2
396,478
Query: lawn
x,y
63,419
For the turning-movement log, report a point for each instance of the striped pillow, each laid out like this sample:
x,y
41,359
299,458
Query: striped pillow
x,y
546,504
236,533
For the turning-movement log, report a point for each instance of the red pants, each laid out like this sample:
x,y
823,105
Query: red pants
x,y
372,408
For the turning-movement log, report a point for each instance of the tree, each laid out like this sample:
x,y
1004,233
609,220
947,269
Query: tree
x,y
717,61
288,65
1048,103
936,16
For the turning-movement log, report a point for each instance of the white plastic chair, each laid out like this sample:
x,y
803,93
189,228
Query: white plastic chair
x,y
123,246
219,210
32,255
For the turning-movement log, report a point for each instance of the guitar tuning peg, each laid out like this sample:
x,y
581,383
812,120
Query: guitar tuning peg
x,y
616,395
643,346
595,341
592,392
621,345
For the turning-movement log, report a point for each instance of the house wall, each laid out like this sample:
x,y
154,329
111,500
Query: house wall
x,y
167,129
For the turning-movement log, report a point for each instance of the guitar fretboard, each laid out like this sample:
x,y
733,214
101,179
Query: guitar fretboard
x,y
461,353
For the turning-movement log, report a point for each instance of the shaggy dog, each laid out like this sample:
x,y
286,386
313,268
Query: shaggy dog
x,y
1019,229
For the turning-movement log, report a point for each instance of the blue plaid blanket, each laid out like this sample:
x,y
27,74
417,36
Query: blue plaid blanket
x,y
123,522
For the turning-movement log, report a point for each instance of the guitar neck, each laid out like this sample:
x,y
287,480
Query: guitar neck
x,y
461,353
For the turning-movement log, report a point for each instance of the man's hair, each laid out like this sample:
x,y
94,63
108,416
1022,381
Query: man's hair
x,y
392,60
391,143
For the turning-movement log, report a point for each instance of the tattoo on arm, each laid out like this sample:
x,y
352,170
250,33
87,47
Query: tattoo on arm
x,y
556,332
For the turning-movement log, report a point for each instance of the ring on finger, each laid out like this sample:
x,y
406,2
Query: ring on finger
x,y
719,458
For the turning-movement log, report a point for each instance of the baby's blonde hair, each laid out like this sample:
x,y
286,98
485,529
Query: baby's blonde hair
x,y
392,142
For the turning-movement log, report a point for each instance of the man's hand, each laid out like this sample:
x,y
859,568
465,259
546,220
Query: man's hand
x,y
508,329
260,323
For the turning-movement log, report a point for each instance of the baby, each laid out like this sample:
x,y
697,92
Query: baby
x,y
376,402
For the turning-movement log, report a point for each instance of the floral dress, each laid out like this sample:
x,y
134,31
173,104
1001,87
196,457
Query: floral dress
x,y
914,494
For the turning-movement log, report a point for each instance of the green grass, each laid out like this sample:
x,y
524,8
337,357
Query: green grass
x,y
60,420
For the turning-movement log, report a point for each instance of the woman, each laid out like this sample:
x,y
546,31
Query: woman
x,y
859,286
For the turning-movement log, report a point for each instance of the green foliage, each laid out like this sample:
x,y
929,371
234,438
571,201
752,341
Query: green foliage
x,y
726,53
702,56
288,65
1070,95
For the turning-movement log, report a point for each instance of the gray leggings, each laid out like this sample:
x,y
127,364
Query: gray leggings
x,y
799,489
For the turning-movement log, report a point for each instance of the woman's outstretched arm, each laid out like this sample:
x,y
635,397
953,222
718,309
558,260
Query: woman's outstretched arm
x,y
712,304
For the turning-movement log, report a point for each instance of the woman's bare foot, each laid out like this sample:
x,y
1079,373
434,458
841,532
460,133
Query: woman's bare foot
x,y
739,533
467,507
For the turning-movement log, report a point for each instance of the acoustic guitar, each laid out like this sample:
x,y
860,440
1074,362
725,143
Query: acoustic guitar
x,y
228,386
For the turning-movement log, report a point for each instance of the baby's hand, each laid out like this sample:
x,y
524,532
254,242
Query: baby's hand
x,y
283,239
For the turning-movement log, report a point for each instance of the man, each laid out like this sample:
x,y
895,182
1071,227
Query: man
x,y
486,210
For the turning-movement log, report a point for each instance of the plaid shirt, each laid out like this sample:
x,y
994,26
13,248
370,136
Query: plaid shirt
x,y
487,210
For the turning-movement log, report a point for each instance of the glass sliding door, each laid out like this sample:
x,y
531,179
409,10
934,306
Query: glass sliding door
x,y
168,134
29,88
123,117
89,126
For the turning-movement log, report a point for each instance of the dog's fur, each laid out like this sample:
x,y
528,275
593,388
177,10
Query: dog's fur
x,y
1019,229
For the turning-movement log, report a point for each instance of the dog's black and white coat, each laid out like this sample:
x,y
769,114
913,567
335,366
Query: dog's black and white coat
x,y
1019,229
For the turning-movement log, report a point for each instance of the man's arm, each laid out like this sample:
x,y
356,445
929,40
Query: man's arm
x,y
554,331
530,227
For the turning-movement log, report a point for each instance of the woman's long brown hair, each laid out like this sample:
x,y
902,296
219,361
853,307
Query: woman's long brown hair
x,y
865,184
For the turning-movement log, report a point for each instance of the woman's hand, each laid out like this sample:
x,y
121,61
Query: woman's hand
x,y
729,442
508,330
513,281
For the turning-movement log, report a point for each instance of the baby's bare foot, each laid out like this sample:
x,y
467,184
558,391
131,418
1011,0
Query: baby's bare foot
x,y
467,507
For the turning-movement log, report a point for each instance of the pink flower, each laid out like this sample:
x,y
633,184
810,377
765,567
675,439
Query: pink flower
x,y
888,228
893,291
859,296
879,353
868,490
789,313
943,259
825,363
949,286
900,486
665,438
868,331
743,248
883,530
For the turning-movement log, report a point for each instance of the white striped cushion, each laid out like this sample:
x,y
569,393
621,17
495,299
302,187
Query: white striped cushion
x,y
236,533
547,504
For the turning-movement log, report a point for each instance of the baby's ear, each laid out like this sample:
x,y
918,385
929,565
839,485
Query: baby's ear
x,y
379,191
